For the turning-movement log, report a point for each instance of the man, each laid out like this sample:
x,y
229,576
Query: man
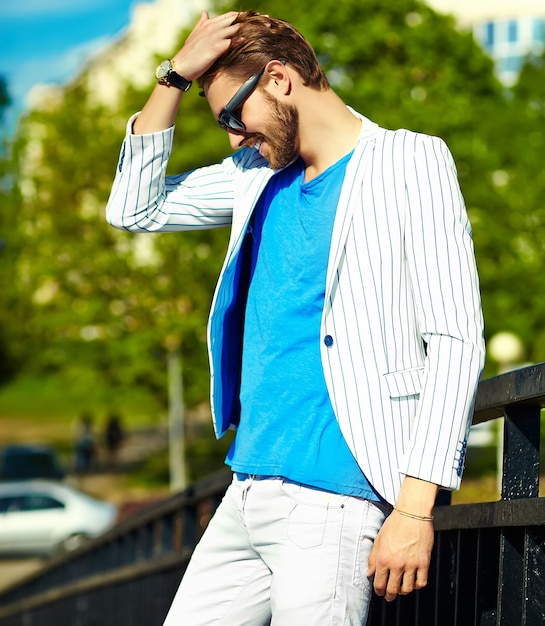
x,y
345,334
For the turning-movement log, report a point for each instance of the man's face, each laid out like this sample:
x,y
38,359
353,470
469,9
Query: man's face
x,y
271,125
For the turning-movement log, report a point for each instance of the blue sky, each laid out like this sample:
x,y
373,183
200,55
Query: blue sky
x,y
46,41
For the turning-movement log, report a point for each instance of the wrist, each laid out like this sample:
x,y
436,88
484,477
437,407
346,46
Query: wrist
x,y
183,68
417,497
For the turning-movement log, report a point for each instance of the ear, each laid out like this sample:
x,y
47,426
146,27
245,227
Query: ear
x,y
279,77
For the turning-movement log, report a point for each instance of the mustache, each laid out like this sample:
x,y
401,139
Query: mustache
x,y
250,140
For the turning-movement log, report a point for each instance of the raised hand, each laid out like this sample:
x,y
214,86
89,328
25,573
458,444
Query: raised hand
x,y
209,39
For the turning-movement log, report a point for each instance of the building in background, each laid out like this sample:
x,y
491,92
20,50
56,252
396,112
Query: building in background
x,y
154,30
508,30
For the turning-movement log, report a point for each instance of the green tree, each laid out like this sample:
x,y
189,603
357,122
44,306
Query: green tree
x,y
5,98
101,303
10,347
513,237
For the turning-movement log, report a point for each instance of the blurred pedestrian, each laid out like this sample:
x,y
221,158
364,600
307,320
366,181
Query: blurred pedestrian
x,y
113,439
85,445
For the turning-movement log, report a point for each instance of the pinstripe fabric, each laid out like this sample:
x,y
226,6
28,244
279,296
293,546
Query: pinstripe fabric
x,y
402,330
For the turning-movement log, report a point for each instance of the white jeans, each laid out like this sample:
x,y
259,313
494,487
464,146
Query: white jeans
x,y
280,553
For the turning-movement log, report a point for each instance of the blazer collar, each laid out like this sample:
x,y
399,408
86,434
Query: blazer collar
x,y
356,170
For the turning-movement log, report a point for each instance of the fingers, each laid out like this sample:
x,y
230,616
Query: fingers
x,y
209,39
203,18
421,578
407,583
394,577
389,583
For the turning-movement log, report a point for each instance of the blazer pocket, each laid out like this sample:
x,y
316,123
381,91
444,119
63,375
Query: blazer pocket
x,y
404,382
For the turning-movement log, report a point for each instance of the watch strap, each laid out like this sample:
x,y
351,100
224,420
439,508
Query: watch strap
x,y
174,79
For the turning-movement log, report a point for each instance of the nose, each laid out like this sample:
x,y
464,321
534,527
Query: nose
x,y
235,139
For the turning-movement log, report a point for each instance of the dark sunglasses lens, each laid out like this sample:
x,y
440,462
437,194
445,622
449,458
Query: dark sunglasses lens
x,y
229,121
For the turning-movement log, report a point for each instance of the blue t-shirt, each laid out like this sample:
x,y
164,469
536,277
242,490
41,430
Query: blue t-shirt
x,y
287,424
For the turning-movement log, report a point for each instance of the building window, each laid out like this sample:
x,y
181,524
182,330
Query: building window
x,y
512,31
510,63
538,30
489,35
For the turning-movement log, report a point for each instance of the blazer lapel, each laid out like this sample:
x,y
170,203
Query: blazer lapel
x,y
248,192
356,171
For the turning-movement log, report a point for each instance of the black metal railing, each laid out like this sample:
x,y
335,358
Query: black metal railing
x,y
488,563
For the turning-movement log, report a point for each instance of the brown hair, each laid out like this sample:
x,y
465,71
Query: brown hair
x,y
261,39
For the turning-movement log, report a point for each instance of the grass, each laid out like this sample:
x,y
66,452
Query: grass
x,y
481,489
44,409
47,410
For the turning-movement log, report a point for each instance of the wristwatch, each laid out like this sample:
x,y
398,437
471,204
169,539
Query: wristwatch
x,y
166,75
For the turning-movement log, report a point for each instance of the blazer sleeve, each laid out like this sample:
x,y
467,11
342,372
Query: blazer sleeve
x,y
144,199
442,269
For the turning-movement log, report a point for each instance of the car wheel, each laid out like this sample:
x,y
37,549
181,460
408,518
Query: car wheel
x,y
74,542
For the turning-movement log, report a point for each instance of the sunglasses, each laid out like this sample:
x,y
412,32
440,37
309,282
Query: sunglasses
x,y
228,119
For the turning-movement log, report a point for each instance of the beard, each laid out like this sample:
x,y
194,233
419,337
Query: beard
x,y
281,134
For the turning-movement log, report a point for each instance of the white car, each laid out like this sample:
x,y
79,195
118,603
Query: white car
x,y
39,517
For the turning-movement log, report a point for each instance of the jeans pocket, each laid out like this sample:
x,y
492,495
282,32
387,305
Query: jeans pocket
x,y
365,545
306,525
373,521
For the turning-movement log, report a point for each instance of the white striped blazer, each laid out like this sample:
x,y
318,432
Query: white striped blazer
x,y
402,331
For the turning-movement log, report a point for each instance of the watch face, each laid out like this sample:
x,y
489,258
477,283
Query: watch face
x,y
163,69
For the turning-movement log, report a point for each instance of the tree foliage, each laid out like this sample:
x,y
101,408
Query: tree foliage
x,y
10,357
512,234
93,302
100,301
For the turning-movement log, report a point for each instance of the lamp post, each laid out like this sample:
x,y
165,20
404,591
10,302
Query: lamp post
x,y
176,416
507,350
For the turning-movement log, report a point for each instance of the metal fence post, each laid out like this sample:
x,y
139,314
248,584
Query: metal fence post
x,y
520,479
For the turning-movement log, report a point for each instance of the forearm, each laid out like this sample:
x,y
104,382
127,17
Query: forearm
x,y
440,257
159,112
142,199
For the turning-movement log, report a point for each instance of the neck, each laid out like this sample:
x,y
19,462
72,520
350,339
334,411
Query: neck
x,y
327,131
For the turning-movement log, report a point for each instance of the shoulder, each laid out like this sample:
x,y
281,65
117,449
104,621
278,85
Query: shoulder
x,y
407,138
418,149
413,141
